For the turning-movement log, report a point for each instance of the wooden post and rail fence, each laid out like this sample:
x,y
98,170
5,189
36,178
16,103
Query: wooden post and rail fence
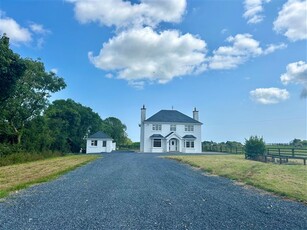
x,y
283,154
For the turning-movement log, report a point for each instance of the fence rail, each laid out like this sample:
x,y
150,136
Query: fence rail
x,y
287,152
275,151
224,149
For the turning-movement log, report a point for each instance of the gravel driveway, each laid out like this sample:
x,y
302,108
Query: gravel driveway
x,y
143,191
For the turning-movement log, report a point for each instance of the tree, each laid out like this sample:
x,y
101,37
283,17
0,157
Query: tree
x,y
116,129
254,148
12,68
297,143
37,136
70,123
30,98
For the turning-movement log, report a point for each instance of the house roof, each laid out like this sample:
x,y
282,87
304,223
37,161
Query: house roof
x,y
100,135
156,136
189,137
171,116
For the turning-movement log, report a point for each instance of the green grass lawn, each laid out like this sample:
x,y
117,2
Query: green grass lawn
x,y
285,180
20,176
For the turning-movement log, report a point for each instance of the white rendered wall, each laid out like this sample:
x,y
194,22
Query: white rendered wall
x,y
180,131
99,148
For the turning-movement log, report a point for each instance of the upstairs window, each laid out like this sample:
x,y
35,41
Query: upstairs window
x,y
156,127
94,143
189,128
104,143
173,128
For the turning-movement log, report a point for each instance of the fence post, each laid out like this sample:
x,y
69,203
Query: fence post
x,y
236,150
279,151
293,152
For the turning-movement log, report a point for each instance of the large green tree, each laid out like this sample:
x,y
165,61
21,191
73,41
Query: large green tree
x,y
70,123
29,99
12,68
117,130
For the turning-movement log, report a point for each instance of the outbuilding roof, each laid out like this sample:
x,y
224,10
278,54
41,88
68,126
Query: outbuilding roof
x,y
100,135
171,116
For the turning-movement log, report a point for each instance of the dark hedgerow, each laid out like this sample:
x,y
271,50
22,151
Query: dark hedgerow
x,y
254,148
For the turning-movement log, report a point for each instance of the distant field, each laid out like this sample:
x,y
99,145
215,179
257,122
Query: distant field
x,y
16,177
285,180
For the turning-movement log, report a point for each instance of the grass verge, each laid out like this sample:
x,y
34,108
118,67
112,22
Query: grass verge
x,y
16,177
286,180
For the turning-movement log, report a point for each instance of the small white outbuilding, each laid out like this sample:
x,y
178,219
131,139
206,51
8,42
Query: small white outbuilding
x,y
99,142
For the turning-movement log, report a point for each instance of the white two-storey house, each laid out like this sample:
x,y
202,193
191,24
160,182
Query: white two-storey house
x,y
170,131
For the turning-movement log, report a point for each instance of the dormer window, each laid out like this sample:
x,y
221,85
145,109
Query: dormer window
x,y
156,127
189,128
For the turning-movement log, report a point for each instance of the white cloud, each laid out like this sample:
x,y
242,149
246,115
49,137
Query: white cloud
x,y
38,28
296,74
13,30
143,54
54,70
243,48
253,10
109,75
18,34
269,95
123,13
292,20
273,47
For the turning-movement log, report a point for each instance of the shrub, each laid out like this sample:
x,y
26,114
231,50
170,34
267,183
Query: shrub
x,y
254,148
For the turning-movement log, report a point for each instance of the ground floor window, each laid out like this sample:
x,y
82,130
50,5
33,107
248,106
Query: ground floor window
x,y
94,143
104,143
157,143
189,144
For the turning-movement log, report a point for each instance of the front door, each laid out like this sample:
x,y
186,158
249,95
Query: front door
x,y
173,143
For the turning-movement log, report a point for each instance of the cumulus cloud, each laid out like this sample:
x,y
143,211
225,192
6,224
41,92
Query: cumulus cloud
x,y
143,54
296,74
13,30
121,13
38,28
292,20
269,95
35,33
253,10
243,48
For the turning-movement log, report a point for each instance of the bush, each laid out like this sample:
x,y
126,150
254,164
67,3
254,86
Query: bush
x,y
7,149
254,148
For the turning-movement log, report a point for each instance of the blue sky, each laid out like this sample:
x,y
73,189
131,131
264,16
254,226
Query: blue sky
x,y
242,64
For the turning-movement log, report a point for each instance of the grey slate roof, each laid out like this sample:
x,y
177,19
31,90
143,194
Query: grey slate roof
x,y
156,136
189,137
100,135
171,116
169,134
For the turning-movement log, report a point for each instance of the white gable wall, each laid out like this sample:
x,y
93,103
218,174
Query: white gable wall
x,y
110,146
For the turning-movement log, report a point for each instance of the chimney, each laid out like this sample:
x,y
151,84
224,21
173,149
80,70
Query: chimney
x,y
195,115
143,114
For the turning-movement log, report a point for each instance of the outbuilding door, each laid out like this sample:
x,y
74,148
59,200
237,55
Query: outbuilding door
x,y
173,145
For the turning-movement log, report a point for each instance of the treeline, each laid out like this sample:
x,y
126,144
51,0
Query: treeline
x,y
29,123
229,146
237,147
